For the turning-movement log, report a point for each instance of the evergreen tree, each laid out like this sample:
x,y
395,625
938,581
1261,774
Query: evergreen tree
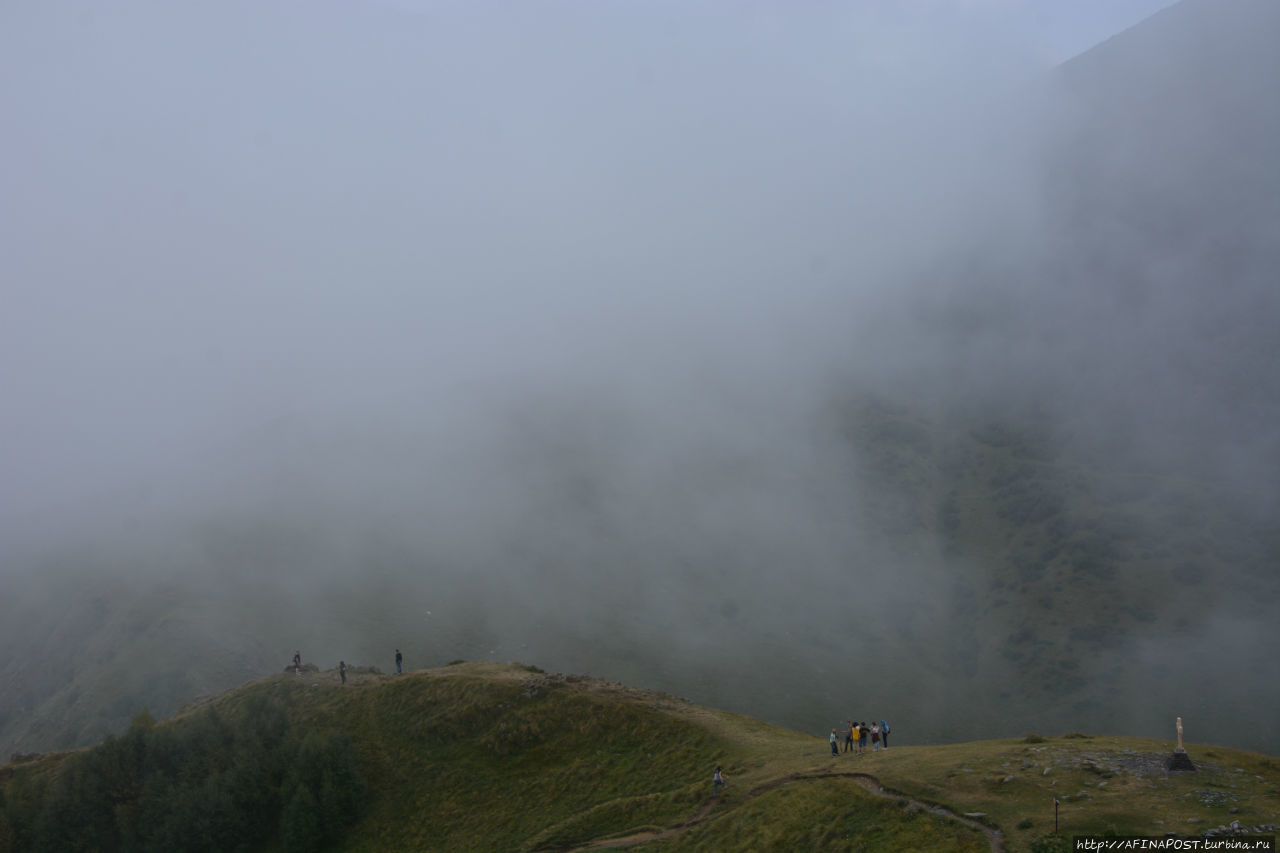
x,y
300,823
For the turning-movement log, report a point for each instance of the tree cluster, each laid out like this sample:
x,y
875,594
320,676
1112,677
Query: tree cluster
x,y
213,782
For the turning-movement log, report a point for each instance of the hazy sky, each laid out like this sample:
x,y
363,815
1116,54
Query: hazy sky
x,y
1055,30
216,216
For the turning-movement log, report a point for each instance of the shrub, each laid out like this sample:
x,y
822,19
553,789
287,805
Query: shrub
x,y
1050,844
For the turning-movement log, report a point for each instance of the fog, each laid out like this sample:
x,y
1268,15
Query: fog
x,y
551,333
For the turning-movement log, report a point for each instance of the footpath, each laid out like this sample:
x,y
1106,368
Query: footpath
x,y
869,782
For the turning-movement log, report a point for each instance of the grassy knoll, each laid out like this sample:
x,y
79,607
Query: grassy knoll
x,y
504,757
1104,784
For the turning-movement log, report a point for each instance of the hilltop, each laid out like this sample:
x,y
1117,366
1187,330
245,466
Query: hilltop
x,y
491,756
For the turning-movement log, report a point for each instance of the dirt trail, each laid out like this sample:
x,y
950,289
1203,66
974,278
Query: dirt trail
x,y
869,782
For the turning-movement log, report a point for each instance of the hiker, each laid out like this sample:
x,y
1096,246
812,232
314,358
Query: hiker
x,y
875,737
717,782
848,737
884,733
856,735
342,670
399,661
863,734
297,662
835,743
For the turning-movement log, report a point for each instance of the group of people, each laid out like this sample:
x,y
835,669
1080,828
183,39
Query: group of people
x,y
856,738
858,735
342,665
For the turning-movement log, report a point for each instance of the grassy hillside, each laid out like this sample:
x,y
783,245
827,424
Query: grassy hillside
x,y
504,757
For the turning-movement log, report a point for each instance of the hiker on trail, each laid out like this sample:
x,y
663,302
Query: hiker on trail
x,y
884,733
717,782
297,662
875,737
848,737
863,734
399,661
342,670
835,743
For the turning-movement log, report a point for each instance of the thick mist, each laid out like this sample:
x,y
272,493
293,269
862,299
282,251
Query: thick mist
x,y
621,340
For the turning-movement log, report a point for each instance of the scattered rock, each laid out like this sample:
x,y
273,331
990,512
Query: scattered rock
x,y
1211,798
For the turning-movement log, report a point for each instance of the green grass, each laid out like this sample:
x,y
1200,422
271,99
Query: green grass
x,y
830,815
1098,780
502,757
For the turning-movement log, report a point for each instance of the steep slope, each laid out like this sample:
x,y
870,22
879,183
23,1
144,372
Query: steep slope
x,y
1080,590
1163,195
1095,452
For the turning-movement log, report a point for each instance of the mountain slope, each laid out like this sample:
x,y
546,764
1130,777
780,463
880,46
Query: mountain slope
x,y
482,756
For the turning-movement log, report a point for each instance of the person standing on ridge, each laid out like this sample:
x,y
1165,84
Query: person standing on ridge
x,y
297,662
717,782
342,670
884,733
848,737
399,662
835,744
